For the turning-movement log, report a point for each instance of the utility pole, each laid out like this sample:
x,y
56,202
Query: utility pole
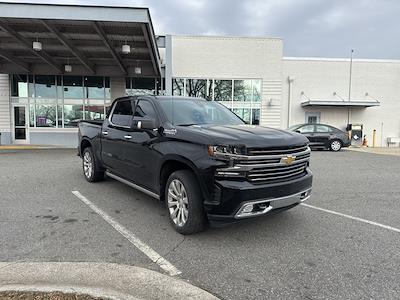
x,y
351,70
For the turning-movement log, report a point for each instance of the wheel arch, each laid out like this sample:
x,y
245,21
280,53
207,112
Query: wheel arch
x,y
171,164
85,143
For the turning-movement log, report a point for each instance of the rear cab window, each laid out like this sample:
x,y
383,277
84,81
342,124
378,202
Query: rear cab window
x,y
122,114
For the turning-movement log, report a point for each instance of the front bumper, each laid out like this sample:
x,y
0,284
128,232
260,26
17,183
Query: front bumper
x,y
231,198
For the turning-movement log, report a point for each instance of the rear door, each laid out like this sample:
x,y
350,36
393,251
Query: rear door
x,y
322,135
114,136
141,157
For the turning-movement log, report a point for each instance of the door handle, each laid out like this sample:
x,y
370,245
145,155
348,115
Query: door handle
x,y
128,137
104,132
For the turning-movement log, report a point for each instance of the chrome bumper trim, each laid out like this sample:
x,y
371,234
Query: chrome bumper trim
x,y
281,202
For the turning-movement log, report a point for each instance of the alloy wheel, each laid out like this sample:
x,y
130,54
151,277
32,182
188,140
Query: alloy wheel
x,y
87,165
178,202
335,146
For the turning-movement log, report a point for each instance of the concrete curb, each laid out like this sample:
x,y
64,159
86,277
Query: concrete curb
x,y
377,150
29,147
107,280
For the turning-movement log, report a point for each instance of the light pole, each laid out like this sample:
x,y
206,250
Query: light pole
x,y
351,70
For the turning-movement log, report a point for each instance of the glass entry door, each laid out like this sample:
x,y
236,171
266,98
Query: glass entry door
x,y
20,120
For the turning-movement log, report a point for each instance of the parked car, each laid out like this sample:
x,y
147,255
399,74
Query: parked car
x,y
323,136
198,157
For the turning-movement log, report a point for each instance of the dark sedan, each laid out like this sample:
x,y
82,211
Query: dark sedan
x,y
323,136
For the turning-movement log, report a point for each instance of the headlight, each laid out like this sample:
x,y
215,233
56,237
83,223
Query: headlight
x,y
226,150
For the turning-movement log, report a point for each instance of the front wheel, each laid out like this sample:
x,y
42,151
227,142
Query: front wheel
x,y
90,166
335,145
184,203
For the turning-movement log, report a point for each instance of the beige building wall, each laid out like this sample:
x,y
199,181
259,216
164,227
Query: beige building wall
x,y
234,58
328,79
5,122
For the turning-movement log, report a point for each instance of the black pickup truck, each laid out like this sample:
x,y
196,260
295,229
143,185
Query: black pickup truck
x,y
198,157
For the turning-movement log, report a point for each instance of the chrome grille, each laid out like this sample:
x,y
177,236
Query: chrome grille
x,y
265,165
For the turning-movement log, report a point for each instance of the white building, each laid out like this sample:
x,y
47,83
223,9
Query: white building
x,y
40,104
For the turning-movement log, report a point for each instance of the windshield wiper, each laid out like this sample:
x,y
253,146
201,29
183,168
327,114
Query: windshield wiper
x,y
190,124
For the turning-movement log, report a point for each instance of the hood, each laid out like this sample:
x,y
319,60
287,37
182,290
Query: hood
x,y
248,135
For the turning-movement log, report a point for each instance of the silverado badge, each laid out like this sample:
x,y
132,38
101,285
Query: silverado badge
x,y
288,160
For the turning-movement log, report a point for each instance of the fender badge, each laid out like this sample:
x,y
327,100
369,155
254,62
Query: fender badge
x,y
170,131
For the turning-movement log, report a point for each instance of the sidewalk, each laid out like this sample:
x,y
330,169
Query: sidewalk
x,y
378,150
107,280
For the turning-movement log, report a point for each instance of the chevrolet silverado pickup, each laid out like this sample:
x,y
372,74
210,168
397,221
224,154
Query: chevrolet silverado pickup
x,y
199,158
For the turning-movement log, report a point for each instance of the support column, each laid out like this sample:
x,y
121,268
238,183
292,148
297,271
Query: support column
x,y
117,86
168,65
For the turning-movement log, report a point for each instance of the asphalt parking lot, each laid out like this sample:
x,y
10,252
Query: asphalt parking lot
x,y
303,253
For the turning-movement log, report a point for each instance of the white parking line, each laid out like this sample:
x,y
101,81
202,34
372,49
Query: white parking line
x,y
353,218
143,247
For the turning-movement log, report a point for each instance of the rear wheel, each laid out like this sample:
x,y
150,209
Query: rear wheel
x,y
184,203
335,145
91,168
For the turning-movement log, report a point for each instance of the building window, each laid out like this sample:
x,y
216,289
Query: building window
x,y
94,87
196,88
94,112
256,90
250,116
45,112
247,90
45,87
19,86
73,88
72,115
32,113
160,86
255,116
242,90
178,87
143,86
222,90
107,89
243,113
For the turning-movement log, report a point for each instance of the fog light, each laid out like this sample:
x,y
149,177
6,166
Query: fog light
x,y
248,208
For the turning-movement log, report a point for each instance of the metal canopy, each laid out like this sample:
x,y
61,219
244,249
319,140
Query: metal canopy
x,y
89,38
337,103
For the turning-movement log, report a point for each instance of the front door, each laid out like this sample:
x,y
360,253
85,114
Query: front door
x,y
309,131
21,123
114,135
140,156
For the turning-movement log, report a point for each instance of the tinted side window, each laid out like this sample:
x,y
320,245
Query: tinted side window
x,y
122,114
306,129
145,110
322,128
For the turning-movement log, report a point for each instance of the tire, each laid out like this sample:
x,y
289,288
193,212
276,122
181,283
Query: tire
x,y
184,203
90,166
335,145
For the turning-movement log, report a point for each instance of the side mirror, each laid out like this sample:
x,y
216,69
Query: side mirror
x,y
144,124
298,131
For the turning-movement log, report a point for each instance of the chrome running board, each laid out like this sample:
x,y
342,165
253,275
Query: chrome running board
x,y
135,186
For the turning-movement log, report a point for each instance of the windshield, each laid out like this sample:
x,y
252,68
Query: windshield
x,y
186,112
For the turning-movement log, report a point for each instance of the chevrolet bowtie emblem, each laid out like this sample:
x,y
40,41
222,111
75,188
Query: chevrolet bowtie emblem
x,y
288,160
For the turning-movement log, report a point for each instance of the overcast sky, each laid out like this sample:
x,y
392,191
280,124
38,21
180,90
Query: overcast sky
x,y
324,28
